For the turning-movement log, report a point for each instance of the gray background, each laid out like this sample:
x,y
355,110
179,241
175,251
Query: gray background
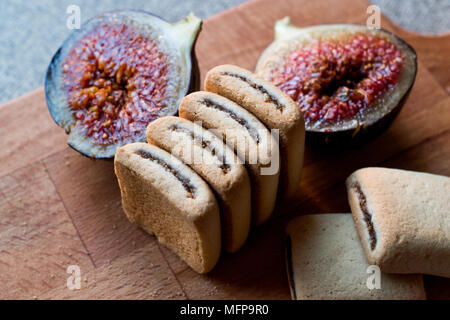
x,y
32,30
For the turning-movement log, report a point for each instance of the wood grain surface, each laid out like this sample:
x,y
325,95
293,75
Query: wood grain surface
x,y
58,208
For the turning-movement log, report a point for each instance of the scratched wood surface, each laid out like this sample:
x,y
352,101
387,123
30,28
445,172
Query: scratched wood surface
x,y
58,208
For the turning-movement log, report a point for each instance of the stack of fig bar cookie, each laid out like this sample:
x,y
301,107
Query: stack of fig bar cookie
x,y
205,177
400,225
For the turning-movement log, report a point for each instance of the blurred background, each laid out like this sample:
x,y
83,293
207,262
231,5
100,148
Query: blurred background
x,y
32,30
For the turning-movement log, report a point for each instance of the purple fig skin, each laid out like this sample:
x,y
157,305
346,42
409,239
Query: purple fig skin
x,y
352,137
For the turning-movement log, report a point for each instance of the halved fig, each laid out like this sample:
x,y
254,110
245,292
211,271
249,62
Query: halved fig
x,y
116,74
348,80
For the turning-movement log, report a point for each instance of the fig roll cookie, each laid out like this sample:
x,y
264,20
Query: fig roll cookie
x,y
403,219
273,108
325,260
217,164
248,137
168,199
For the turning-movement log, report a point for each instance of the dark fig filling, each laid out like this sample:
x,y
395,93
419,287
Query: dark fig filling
x,y
335,80
290,269
269,97
252,131
177,174
205,144
367,216
115,79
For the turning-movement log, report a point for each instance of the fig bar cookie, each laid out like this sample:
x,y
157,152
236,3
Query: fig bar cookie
x,y
273,108
325,260
248,137
217,164
403,219
166,198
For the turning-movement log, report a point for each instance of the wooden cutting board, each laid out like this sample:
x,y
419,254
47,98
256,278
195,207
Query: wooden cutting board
x,y
58,208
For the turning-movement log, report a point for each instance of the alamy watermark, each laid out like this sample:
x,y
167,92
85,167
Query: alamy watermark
x,y
374,19
374,280
74,280
74,19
